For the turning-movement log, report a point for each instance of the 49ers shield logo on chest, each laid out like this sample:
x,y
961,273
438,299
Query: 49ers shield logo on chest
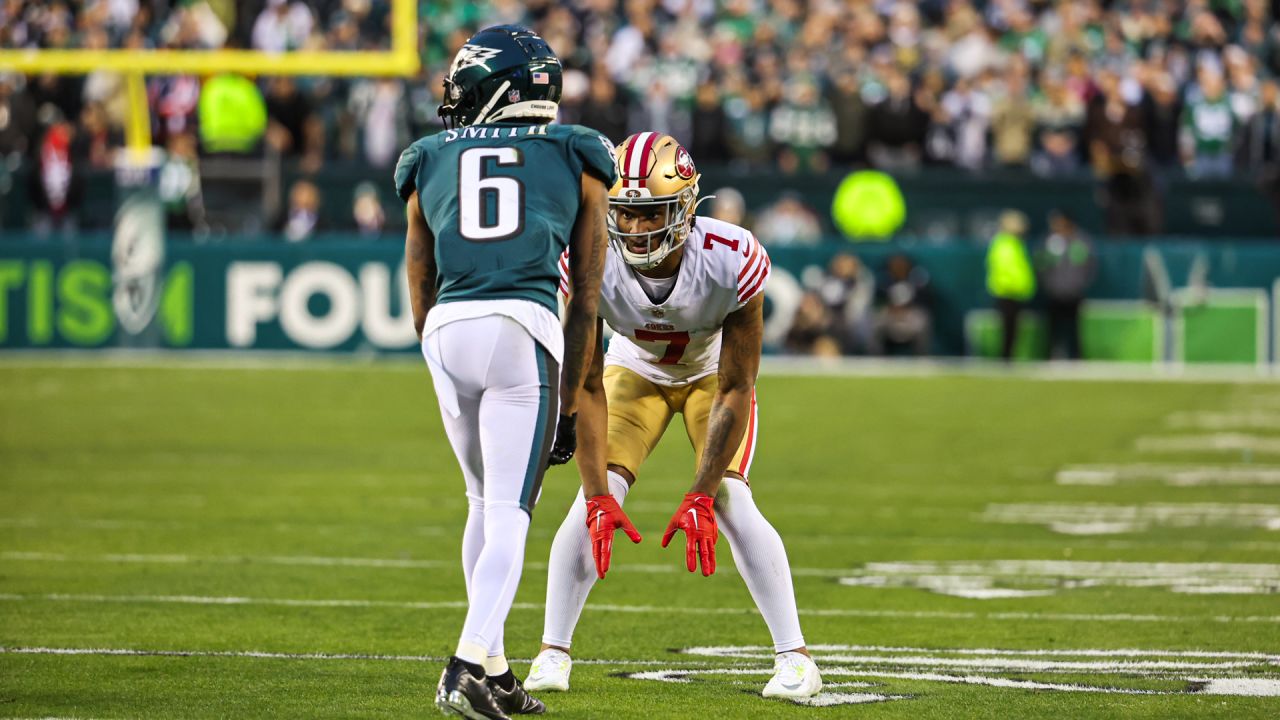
x,y
684,164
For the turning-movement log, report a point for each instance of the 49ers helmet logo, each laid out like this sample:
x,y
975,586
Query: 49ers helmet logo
x,y
684,164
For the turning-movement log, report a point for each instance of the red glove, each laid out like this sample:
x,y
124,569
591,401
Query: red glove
x,y
604,515
698,521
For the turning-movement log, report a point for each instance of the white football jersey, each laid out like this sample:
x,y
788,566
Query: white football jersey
x,y
677,341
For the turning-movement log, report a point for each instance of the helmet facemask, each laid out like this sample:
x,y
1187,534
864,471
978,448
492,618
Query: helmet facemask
x,y
675,213
656,180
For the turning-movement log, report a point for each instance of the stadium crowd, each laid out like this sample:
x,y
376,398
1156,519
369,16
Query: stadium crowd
x,y
1130,91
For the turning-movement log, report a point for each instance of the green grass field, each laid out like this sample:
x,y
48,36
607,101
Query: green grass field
x,y
190,542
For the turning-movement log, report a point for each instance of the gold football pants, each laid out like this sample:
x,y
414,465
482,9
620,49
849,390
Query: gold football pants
x,y
640,410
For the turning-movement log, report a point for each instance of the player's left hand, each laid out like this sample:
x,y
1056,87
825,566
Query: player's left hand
x,y
697,518
566,440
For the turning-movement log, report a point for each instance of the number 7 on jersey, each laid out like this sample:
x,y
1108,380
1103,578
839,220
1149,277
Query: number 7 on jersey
x,y
678,342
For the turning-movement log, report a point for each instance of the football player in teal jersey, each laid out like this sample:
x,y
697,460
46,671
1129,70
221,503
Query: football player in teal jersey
x,y
492,202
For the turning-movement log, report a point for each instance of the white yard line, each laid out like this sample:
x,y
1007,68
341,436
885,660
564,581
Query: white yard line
x,y
1099,519
757,652
636,609
1214,442
1179,475
990,579
265,655
1200,672
153,525
1239,420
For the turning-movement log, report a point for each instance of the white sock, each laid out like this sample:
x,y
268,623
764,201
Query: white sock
x,y
761,560
494,578
571,571
496,664
472,544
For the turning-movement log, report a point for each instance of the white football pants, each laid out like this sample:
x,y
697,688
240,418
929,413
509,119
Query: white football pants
x,y
499,398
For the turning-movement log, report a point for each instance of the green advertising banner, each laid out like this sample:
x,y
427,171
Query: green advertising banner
x,y
349,295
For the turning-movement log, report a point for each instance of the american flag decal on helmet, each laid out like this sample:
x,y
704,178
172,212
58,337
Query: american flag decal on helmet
x,y
540,78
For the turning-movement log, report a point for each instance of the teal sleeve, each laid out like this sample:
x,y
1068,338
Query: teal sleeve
x,y
407,171
595,152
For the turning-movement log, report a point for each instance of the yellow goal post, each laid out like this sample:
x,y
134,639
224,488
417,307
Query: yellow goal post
x,y
400,61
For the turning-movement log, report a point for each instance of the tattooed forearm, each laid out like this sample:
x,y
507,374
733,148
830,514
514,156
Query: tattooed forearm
x,y
731,409
586,266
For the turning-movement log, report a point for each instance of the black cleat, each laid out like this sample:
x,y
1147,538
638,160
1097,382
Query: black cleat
x,y
462,694
516,701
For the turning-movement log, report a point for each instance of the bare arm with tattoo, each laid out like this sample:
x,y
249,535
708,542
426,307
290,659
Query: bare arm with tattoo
x,y
587,247
420,263
593,423
731,407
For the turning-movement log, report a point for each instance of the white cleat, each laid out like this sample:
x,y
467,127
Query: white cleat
x,y
794,676
550,671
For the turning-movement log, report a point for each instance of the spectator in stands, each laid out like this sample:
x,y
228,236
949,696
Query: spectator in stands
x,y
293,128
17,117
788,222
898,127
282,25
57,186
810,332
1011,281
1260,146
381,116
966,113
848,290
1066,266
904,322
803,126
729,205
1013,121
1118,148
179,185
1208,127
96,141
748,134
366,211
709,125
1163,111
852,117
303,215
1059,118
607,110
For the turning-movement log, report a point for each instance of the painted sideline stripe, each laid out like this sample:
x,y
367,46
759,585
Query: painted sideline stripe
x,y
639,609
293,361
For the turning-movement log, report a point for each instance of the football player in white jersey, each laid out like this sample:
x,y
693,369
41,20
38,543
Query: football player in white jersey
x,y
684,296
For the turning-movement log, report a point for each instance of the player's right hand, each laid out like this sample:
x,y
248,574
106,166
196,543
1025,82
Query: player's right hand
x,y
604,515
566,442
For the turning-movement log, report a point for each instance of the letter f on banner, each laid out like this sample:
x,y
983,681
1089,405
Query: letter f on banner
x,y
251,299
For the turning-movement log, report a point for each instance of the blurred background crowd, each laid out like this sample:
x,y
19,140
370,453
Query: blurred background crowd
x,y
1115,101
1129,91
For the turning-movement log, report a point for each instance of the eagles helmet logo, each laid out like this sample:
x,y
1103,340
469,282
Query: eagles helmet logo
x,y
471,55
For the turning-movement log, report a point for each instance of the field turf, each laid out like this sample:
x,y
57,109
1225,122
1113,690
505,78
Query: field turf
x,y
187,541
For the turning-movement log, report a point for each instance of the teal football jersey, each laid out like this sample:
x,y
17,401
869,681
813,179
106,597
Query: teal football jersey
x,y
501,200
